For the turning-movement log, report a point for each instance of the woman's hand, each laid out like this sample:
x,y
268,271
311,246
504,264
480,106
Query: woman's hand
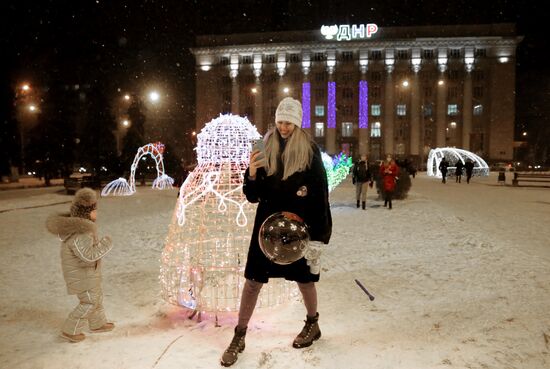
x,y
257,160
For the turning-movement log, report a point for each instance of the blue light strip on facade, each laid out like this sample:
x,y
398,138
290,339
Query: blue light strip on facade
x,y
363,105
331,105
306,105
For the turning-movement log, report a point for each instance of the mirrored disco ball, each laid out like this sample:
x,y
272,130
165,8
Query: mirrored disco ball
x,y
283,238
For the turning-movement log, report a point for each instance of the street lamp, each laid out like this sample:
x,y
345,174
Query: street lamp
x,y
154,96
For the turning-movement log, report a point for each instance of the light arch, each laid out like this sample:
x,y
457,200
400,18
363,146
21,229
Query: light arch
x,y
452,154
120,187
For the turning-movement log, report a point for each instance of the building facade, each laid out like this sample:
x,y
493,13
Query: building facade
x,y
370,90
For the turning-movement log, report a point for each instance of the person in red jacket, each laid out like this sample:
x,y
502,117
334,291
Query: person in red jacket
x,y
388,172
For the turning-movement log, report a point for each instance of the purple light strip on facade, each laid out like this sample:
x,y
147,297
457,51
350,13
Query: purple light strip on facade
x,y
306,105
331,105
363,104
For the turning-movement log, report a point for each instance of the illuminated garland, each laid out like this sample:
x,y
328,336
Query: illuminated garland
x,y
120,187
337,168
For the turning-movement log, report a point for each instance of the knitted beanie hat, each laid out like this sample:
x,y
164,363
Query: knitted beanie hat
x,y
84,202
289,110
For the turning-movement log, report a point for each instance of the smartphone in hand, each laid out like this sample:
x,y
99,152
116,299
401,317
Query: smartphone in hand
x,y
260,146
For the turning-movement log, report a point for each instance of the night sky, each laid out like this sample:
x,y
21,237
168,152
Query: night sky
x,y
129,45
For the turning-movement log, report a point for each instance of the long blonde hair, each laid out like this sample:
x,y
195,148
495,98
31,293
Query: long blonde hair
x,y
296,156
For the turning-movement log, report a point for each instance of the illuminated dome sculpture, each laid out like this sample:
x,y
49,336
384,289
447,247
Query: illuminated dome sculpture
x,y
452,155
121,187
202,264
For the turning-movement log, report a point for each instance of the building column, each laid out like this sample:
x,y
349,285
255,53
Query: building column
x,y
415,116
441,117
467,112
258,107
233,73
387,125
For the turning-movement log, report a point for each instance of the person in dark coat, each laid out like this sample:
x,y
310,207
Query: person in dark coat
x,y
389,171
360,176
469,166
443,166
458,172
289,176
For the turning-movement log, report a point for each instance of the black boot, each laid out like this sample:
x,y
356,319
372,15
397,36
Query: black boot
x,y
357,204
364,204
236,346
309,333
390,205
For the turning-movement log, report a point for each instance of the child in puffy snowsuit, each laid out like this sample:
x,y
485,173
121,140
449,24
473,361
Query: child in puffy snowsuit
x,y
81,253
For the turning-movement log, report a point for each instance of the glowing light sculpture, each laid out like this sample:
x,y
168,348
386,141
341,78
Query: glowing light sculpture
x,y
202,264
337,168
452,155
121,187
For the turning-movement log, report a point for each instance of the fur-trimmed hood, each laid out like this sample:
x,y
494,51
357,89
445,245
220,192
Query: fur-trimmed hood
x,y
63,225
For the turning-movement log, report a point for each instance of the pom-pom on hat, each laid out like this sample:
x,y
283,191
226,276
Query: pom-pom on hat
x,y
289,110
84,202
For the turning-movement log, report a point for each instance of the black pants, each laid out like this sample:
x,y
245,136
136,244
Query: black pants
x,y
387,198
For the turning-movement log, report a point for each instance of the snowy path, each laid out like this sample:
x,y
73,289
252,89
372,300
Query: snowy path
x,y
461,276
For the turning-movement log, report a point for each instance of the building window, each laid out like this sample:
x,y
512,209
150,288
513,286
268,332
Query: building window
x,y
428,91
319,57
224,60
400,149
347,129
427,110
452,109
247,59
270,59
294,58
454,53
478,92
478,109
428,53
319,110
401,110
402,54
375,130
227,97
376,76
347,77
376,54
347,93
375,91
453,92
319,129
225,81
320,77
375,110
479,75
347,55
454,75
481,53
320,93
347,110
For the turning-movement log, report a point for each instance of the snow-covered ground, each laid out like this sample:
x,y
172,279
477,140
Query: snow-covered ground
x,y
460,272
